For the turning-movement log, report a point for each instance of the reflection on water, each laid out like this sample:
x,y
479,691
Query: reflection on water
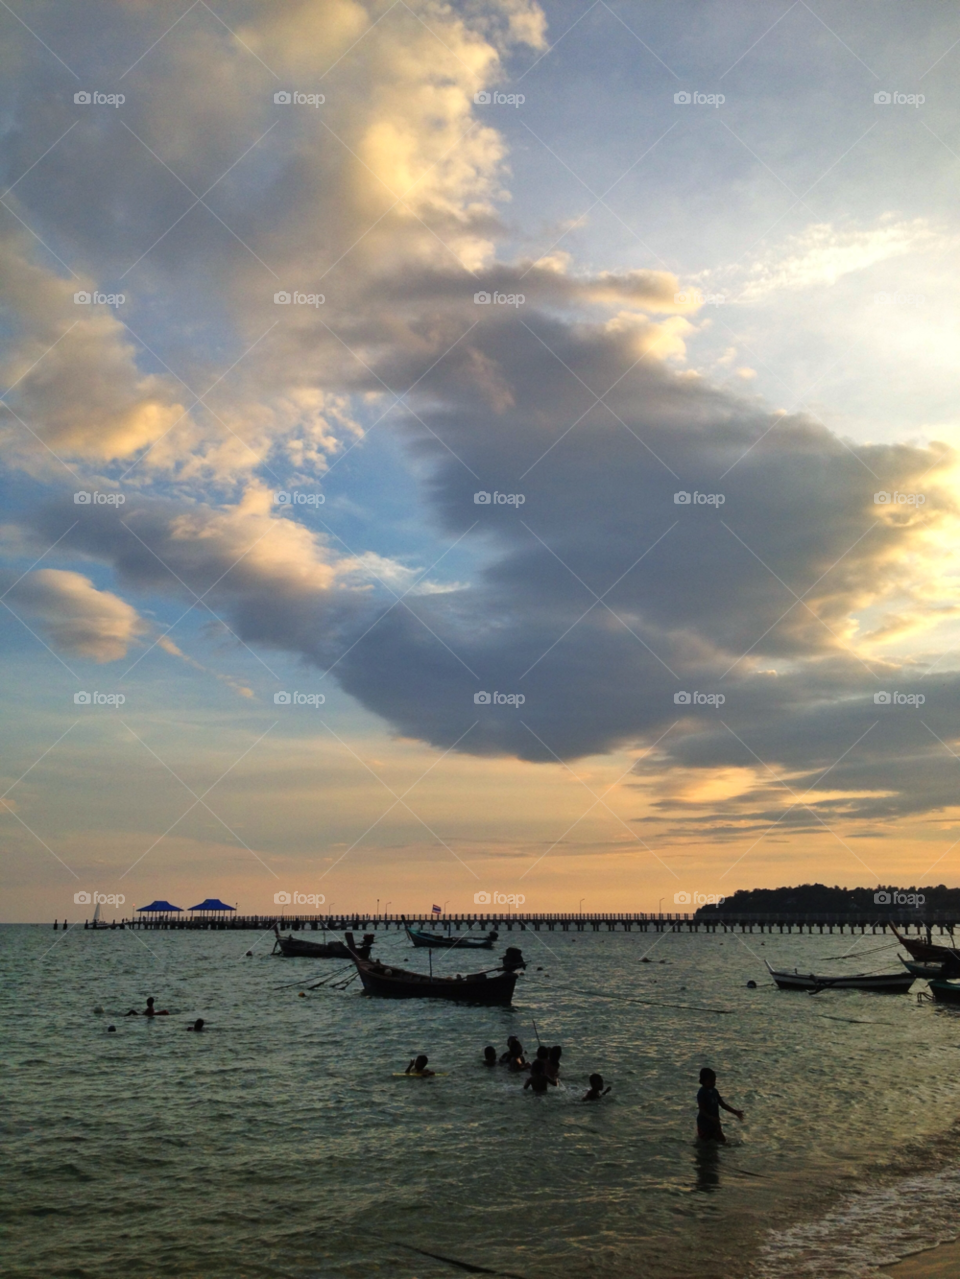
x,y
278,1141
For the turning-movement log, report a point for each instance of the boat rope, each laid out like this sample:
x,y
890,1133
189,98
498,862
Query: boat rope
x,y
853,954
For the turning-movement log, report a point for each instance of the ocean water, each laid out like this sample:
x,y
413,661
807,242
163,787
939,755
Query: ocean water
x,y
280,1143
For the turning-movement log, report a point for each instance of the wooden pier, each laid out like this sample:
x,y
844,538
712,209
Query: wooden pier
x,y
907,921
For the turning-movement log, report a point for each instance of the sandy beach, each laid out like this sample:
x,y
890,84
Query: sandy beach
x,y
936,1263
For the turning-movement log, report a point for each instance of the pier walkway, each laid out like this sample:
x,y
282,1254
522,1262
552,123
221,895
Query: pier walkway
x,y
907,921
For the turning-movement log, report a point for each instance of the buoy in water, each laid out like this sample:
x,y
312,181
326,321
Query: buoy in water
x,y
98,1008
751,985
302,995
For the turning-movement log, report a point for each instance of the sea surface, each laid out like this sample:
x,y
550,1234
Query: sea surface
x,y
279,1142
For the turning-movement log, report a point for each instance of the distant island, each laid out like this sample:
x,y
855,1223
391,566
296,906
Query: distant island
x,y
818,898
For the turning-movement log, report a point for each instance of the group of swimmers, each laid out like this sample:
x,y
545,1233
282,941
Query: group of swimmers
x,y
544,1072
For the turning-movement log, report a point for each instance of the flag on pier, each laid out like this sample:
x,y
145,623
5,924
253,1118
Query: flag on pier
x,y
437,910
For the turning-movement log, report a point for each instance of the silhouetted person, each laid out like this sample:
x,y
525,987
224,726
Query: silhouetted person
x,y
596,1090
709,1104
489,1055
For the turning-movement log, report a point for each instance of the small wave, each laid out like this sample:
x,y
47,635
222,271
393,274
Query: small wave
x,y
869,1229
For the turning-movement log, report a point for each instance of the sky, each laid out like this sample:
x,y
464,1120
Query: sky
x,y
467,449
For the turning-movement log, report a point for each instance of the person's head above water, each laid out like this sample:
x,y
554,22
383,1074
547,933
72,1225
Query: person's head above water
x,y
198,1024
490,1055
708,1077
556,1052
596,1082
421,1062
543,1052
537,1067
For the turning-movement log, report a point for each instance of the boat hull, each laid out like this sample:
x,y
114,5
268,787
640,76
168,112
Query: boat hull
x,y
883,983
396,983
928,971
449,943
945,992
294,948
926,952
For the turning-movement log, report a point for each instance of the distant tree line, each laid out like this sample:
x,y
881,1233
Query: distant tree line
x,y
818,898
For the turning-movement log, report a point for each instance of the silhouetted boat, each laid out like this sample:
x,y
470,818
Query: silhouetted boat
x,y
420,937
948,968
945,992
296,948
884,983
925,951
495,986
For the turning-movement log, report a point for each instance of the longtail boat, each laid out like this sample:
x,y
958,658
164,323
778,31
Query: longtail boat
x,y
945,992
947,968
884,983
494,986
925,951
420,937
295,948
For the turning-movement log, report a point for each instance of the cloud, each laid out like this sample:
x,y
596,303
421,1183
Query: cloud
x,y
77,618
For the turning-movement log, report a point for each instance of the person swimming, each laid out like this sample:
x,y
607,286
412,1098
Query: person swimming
x,y
514,1051
538,1080
552,1066
149,1011
709,1104
419,1066
489,1055
596,1090
197,1025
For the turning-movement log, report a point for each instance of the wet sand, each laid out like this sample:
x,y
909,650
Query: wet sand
x,y
937,1263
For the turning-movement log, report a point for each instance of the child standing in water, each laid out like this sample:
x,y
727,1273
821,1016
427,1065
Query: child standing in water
x,y
709,1105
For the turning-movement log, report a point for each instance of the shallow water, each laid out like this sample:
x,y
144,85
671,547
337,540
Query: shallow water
x,y
278,1142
